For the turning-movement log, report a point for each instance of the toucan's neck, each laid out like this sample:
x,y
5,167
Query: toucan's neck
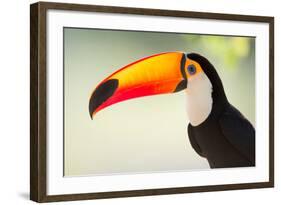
x,y
199,101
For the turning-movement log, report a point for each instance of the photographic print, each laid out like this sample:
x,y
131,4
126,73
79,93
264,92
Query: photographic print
x,y
134,102
140,102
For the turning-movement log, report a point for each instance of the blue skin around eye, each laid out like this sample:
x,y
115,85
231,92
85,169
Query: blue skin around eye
x,y
191,69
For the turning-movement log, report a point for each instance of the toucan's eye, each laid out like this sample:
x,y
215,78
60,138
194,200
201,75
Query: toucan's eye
x,y
191,69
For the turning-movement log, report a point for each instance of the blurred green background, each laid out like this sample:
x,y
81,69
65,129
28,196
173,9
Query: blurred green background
x,y
146,134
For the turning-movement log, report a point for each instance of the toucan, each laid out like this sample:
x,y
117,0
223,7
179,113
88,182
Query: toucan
x,y
217,130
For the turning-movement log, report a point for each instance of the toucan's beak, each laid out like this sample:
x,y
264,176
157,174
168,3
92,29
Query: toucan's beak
x,y
157,74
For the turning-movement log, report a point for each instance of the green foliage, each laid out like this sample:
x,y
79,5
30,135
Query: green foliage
x,y
230,51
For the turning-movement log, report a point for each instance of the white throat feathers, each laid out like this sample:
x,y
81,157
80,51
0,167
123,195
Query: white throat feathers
x,y
199,98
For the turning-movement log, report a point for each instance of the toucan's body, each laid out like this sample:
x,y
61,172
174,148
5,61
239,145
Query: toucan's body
x,y
217,130
225,138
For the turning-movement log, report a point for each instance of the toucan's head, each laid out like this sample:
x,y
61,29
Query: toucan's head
x,y
158,74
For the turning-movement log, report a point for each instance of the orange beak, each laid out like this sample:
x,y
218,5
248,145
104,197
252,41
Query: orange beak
x,y
157,74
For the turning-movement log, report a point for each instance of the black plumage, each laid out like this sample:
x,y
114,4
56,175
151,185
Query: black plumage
x,y
226,138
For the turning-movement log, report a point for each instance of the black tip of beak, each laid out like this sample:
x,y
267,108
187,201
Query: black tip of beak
x,y
101,94
91,116
91,111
